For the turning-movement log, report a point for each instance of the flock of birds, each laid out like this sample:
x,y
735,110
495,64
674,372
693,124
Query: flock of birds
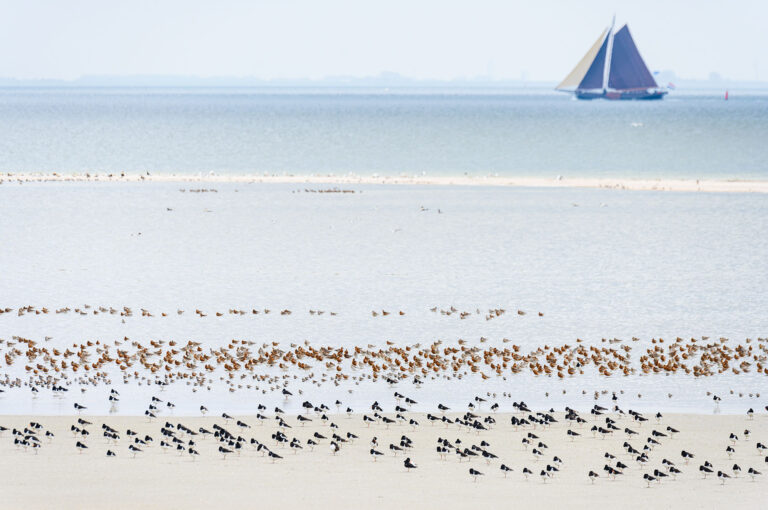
x,y
125,311
324,190
463,438
272,367
269,366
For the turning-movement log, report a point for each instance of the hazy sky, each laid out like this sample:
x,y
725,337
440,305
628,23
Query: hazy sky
x,y
439,39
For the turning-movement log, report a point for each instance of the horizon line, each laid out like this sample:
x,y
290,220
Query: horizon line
x,y
383,79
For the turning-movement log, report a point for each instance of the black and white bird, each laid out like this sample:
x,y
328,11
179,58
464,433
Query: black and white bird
x,y
648,478
474,473
408,464
611,471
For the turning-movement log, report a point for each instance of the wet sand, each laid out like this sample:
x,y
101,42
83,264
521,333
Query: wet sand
x,y
58,476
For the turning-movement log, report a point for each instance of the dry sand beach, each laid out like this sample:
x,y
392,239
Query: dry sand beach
x,y
57,476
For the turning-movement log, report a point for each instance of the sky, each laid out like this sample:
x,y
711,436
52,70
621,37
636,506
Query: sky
x,y
536,40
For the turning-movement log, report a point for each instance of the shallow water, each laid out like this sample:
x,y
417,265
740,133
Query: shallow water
x,y
596,263
522,132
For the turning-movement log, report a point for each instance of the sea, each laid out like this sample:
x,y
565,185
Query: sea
x,y
587,264
519,132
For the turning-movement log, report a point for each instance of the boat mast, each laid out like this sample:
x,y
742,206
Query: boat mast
x,y
609,51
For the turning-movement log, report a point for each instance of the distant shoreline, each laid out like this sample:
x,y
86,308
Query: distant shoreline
x,y
679,185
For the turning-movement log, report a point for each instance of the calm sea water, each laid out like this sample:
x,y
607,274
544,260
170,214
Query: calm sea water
x,y
597,263
521,133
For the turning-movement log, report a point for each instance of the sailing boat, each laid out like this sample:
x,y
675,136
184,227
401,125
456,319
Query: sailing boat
x,y
612,69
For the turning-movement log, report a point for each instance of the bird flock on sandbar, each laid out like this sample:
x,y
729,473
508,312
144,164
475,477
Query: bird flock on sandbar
x,y
634,445
631,444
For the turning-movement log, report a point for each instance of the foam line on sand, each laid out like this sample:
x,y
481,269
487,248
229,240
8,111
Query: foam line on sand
x,y
680,185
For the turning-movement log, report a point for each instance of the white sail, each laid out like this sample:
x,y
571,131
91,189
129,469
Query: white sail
x,y
574,78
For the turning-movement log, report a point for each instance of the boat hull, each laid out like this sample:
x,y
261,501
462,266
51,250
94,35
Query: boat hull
x,y
620,95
